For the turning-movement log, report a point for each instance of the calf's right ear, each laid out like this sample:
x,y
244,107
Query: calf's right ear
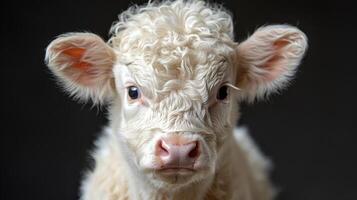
x,y
83,64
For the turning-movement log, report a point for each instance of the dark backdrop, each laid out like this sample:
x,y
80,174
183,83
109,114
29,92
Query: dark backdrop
x,y
308,130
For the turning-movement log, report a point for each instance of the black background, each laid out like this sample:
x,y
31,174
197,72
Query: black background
x,y
308,130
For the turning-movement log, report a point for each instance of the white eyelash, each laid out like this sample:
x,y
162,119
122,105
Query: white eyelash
x,y
232,86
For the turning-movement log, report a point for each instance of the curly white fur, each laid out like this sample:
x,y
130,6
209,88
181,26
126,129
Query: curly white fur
x,y
178,54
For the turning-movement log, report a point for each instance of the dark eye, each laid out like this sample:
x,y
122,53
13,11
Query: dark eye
x,y
133,92
222,93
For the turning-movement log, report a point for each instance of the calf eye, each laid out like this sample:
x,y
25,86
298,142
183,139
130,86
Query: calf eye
x,y
222,93
133,92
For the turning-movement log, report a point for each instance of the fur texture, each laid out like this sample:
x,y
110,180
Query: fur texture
x,y
181,58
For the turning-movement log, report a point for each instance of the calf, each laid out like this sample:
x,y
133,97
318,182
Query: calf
x,y
172,77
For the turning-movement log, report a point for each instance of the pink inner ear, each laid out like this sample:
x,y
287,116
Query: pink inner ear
x,y
281,43
81,65
76,54
273,65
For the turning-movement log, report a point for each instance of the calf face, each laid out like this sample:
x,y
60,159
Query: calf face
x,y
172,76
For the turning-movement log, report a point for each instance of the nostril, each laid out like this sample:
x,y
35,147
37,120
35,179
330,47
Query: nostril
x,y
162,148
194,153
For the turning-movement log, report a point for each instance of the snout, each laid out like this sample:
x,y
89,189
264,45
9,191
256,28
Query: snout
x,y
176,153
178,158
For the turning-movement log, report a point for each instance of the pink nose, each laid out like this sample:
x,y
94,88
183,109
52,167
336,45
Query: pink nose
x,y
177,155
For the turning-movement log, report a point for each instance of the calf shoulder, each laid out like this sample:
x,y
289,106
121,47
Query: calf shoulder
x,y
106,181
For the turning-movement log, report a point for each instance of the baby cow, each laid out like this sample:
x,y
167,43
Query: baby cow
x,y
172,77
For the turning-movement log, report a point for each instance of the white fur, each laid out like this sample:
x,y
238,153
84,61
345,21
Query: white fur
x,y
178,54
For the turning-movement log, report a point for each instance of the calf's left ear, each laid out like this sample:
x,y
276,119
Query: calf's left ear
x,y
268,59
83,64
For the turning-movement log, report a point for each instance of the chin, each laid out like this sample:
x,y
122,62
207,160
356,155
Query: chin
x,y
176,178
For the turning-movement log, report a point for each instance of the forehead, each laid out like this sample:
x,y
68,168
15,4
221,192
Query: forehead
x,y
177,70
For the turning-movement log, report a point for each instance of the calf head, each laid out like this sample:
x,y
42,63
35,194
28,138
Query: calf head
x,y
172,77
